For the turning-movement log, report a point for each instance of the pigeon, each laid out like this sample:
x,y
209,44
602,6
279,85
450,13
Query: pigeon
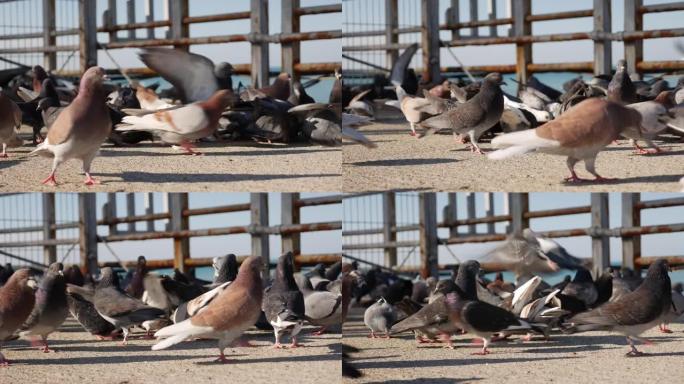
x,y
299,95
604,287
225,269
415,109
525,257
580,134
149,101
280,89
582,287
321,308
319,123
475,116
49,106
283,302
50,309
5,273
80,129
85,314
121,310
194,76
10,123
654,119
135,287
227,317
379,318
554,251
676,310
633,313
16,304
349,133
621,89
401,74
183,125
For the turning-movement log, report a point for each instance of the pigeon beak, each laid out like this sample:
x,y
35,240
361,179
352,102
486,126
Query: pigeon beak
x,y
32,283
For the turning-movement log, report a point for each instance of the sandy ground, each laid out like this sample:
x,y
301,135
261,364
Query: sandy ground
x,y
153,166
80,358
591,357
436,162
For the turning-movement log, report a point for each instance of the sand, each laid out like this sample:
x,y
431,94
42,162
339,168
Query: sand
x,y
80,358
436,162
591,357
153,166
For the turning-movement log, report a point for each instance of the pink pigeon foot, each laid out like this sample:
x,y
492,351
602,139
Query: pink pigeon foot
x,y
222,359
483,352
319,331
4,156
664,329
189,149
90,181
278,346
50,180
294,344
4,362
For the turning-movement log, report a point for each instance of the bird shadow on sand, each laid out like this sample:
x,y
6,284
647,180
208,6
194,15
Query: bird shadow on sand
x,y
147,177
115,359
490,359
271,151
628,180
9,163
279,359
402,162
429,380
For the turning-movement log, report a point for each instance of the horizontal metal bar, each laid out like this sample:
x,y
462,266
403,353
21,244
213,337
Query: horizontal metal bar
x,y
216,210
354,258
377,231
389,244
319,9
557,212
39,35
219,17
660,66
376,47
141,25
314,201
37,228
38,243
133,219
476,220
485,266
671,260
477,23
301,260
52,48
560,15
667,7
661,203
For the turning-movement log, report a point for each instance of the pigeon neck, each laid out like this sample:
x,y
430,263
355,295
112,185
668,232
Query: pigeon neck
x,y
468,286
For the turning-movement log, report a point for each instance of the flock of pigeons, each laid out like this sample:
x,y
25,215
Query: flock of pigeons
x,y
619,300
175,308
576,123
201,106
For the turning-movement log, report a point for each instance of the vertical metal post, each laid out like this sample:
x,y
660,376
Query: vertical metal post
x,y
87,230
290,24
489,210
178,202
149,17
130,17
473,17
259,26
427,208
49,27
634,49
522,27
519,204
470,209
491,10
49,233
130,210
110,19
388,230
291,242
87,32
631,217
452,214
259,214
602,48
430,40
600,245
149,209
178,10
391,36
110,213
453,17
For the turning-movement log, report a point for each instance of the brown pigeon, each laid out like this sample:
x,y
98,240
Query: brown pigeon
x,y
229,315
16,304
10,122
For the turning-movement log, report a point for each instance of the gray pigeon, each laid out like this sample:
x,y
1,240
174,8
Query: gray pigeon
x,y
121,310
635,312
621,89
475,116
676,310
321,308
225,269
379,317
582,287
283,302
525,257
50,309
84,312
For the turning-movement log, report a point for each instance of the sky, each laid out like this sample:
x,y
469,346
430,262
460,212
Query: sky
x,y
365,213
369,15
25,210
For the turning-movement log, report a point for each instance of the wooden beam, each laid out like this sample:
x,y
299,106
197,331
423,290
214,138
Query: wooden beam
x,y
430,41
631,217
87,34
109,19
602,48
49,251
130,210
470,211
634,49
260,59
87,228
290,55
110,213
600,245
178,10
452,18
489,210
149,17
130,17
49,27
522,27
178,202
518,204
290,215
474,17
491,11
389,222
391,36
427,211
259,215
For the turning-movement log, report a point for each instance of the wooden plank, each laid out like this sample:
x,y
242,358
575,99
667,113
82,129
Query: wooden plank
x,y
130,17
49,251
489,210
631,217
290,242
149,17
453,17
470,211
602,48
110,19
259,215
452,213
87,228
49,27
178,202
389,222
260,59
430,41
130,210
87,34
491,12
522,27
600,245
148,201
634,49
110,213
178,10
474,17
290,50
427,211
391,37
519,204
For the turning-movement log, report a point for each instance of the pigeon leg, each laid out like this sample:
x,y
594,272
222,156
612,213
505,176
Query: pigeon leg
x,y
484,350
413,129
4,362
473,142
446,338
571,166
664,329
187,146
125,339
387,335
86,169
50,180
633,352
590,166
319,331
372,335
46,349
294,343
642,151
277,344
222,358
4,151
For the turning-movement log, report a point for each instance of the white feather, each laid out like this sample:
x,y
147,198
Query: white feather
x,y
176,333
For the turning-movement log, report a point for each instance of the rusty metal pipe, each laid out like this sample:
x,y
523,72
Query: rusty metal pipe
x,y
560,15
661,203
557,212
38,243
315,201
219,17
667,7
380,245
319,9
215,210
477,23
